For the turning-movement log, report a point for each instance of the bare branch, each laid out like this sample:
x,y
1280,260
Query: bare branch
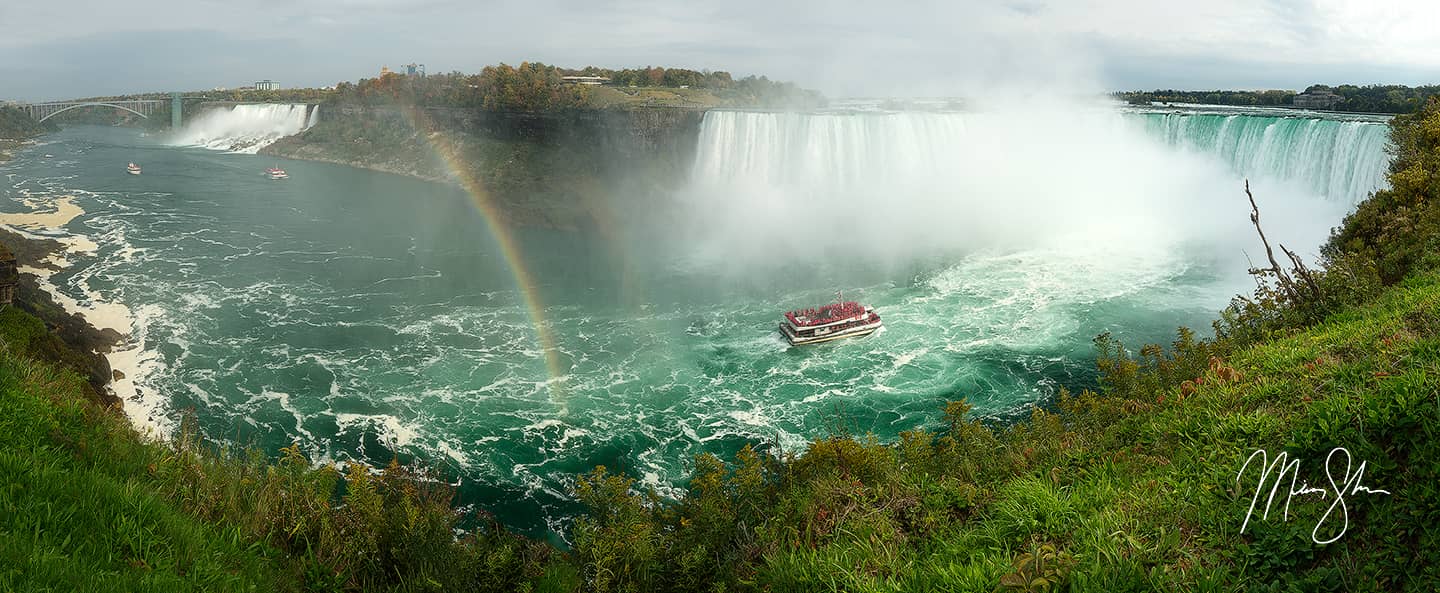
x,y
1255,273
1303,272
1286,283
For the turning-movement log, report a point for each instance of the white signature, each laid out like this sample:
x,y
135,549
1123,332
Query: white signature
x,y
1350,484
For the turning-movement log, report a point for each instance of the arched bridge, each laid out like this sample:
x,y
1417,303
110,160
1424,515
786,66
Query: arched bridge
x,y
141,107
44,111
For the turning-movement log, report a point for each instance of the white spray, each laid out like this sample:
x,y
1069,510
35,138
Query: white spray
x,y
245,128
1087,181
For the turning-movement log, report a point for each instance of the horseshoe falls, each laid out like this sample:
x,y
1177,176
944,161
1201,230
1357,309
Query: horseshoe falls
x,y
931,182
1341,159
367,316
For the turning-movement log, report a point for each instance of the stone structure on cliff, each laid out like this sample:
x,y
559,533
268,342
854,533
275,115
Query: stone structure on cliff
x,y
9,277
1314,98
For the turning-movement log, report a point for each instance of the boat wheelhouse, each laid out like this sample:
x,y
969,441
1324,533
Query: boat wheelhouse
x,y
845,319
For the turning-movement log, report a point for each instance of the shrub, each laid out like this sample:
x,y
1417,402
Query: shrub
x,y
1399,228
1043,569
618,539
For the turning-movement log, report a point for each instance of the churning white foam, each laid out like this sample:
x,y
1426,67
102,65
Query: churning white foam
x,y
246,128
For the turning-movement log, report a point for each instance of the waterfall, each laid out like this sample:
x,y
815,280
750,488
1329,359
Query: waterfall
x,y
245,128
1342,161
314,117
825,150
911,184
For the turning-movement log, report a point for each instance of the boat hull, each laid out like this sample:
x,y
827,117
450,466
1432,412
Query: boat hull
x,y
854,332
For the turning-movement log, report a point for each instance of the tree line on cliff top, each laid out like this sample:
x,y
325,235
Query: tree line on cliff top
x,y
15,124
535,86
1389,98
530,86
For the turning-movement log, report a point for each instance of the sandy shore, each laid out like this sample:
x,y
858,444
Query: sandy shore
x,y
61,212
51,217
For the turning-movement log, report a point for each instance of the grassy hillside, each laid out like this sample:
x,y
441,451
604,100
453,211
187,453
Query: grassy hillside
x,y
605,97
76,513
628,97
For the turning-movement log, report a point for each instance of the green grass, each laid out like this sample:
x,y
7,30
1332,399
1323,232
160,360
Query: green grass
x,y
605,97
75,514
21,331
611,97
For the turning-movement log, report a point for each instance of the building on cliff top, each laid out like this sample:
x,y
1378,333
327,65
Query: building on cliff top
x,y
1316,99
590,80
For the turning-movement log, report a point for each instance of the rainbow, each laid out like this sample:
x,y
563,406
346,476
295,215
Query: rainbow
x,y
450,155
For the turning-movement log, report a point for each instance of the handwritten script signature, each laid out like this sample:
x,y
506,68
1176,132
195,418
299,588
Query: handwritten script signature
x,y
1275,473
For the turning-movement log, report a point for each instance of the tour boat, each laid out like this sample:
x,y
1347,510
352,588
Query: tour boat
x,y
133,168
276,173
845,319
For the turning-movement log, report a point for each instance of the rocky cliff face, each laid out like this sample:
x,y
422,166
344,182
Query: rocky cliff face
x,y
562,169
9,277
68,340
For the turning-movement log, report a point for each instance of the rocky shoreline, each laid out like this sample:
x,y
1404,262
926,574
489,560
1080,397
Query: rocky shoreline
x,y
8,145
309,152
85,345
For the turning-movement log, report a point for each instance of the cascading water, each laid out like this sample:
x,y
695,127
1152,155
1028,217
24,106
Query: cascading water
x,y
314,117
1341,160
825,150
246,128
1036,178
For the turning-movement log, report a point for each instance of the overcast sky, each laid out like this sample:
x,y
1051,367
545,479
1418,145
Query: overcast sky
x,y
70,48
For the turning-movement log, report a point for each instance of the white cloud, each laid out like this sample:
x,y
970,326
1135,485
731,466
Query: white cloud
x,y
1382,31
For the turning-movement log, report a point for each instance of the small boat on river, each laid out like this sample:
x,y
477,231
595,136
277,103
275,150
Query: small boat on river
x,y
132,169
